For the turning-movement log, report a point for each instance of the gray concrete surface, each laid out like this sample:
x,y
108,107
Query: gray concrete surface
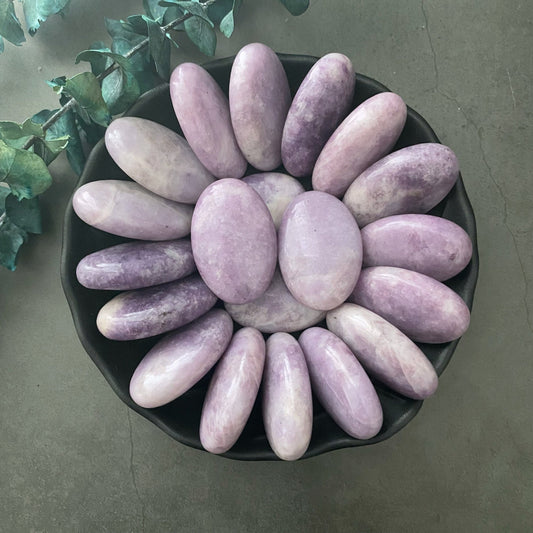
x,y
73,459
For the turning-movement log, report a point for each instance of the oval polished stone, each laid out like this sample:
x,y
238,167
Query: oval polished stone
x,y
180,359
367,134
202,110
157,158
259,99
384,351
427,244
147,312
125,208
411,180
232,391
423,308
137,264
322,101
287,400
234,241
277,191
320,250
275,310
341,384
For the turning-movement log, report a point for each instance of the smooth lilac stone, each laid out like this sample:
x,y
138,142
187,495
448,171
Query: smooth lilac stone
x,y
259,99
232,391
323,100
157,158
138,264
179,360
125,208
277,191
234,241
147,312
341,383
384,351
367,134
287,400
427,244
202,110
411,180
275,310
320,250
423,308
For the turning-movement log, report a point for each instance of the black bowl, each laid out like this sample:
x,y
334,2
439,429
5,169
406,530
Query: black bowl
x,y
117,360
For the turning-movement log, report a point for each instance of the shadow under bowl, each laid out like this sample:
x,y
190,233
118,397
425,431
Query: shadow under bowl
x,y
117,360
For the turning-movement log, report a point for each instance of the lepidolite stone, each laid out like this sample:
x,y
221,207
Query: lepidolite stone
x,y
424,243
234,241
125,208
147,312
275,310
320,250
277,191
287,400
341,384
180,359
157,158
202,110
423,308
384,351
232,391
320,104
411,180
137,264
367,134
259,99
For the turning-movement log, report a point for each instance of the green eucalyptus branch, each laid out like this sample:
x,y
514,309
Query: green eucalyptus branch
x,y
137,60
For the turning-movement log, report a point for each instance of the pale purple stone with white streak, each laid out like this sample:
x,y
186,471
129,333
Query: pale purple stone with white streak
x,y
180,359
136,264
232,391
341,383
367,134
234,241
147,312
277,191
431,245
275,310
320,250
157,158
411,180
384,351
125,208
287,399
423,308
259,99
202,110
322,101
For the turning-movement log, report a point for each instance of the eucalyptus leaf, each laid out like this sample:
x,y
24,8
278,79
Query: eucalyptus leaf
x,y
37,11
25,213
194,8
159,48
24,172
172,13
85,89
217,11
16,135
138,24
125,38
227,24
11,239
296,7
154,10
202,35
120,90
10,27
98,54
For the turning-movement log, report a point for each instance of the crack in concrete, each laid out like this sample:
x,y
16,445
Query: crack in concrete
x,y
132,472
499,188
511,87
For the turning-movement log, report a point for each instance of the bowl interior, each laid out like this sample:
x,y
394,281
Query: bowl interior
x,y
118,360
